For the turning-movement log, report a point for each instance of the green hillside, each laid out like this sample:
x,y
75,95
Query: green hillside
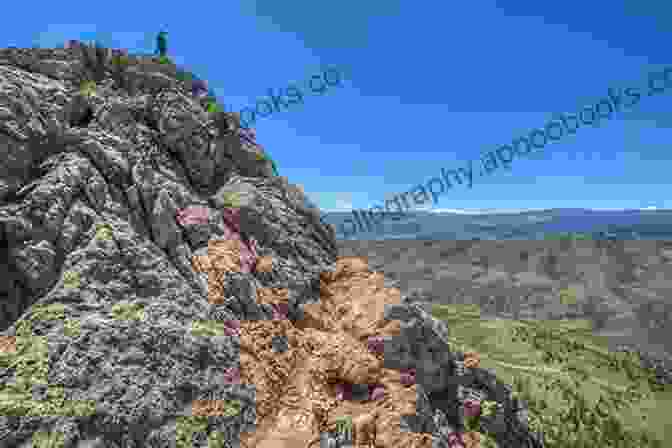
x,y
579,393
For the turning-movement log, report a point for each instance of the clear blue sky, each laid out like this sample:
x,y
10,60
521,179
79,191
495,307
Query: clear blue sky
x,y
429,85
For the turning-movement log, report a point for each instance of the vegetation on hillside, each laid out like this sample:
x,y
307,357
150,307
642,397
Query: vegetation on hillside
x,y
579,394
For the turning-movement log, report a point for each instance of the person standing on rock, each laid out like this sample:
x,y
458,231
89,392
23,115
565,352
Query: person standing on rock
x,y
162,43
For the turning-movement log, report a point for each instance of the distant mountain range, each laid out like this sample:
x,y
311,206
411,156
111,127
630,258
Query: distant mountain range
x,y
644,224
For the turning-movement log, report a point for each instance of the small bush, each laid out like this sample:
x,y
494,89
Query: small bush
x,y
567,236
217,440
568,296
128,311
186,427
87,88
45,439
231,200
344,427
71,279
164,60
53,311
213,108
583,236
103,232
122,61
72,328
207,328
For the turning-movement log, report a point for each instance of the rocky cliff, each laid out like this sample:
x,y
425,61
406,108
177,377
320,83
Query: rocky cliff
x,y
160,286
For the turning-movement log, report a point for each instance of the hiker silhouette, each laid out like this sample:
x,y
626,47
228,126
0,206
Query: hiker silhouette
x,y
162,43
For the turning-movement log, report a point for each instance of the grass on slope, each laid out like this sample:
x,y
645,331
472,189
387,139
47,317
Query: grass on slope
x,y
579,393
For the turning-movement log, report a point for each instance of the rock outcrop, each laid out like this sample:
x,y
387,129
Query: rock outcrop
x,y
160,286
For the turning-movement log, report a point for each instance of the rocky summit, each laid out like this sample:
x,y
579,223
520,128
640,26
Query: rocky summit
x,y
162,287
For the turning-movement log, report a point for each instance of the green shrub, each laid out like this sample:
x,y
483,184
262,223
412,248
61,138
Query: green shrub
x,y
121,60
164,60
232,408
46,439
87,88
186,427
344,427
31,365
72,328
567,296
183,75
213,108
579,393
71,279
583,236
207,328
103,232
581,422
30,362
128,311
53,311
217,439
231,199
567,236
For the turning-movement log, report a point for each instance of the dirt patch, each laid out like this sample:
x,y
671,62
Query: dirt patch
x,y
330,356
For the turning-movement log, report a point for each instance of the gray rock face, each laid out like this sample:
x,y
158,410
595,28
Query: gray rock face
x,y
97,281
443,386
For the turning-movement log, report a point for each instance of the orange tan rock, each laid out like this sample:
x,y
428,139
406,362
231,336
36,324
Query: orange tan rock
x,y
471,360
264,264
7,344
296,389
